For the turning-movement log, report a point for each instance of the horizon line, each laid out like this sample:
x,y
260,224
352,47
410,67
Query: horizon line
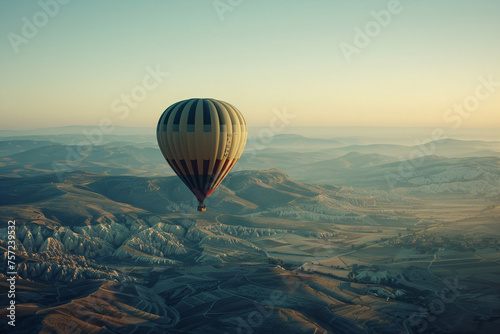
x,y
289,126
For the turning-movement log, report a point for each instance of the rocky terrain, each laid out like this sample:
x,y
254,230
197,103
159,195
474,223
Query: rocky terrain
x,y
115,245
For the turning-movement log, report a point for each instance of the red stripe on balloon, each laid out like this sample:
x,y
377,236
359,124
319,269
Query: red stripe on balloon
x,y
223,175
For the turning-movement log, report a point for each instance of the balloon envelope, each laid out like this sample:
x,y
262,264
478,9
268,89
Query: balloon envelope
x,y
201,139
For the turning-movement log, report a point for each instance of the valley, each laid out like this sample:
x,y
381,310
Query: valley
x,y
115,251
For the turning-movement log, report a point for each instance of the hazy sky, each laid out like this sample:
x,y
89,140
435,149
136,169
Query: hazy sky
x,y
84,58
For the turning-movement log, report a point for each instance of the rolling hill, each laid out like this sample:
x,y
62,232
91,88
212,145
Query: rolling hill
x,y
112,160
116,245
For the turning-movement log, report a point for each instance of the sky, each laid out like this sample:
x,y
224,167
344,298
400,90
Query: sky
x,y
408,63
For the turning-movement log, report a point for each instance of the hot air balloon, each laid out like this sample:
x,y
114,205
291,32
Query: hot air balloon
x,y
201,139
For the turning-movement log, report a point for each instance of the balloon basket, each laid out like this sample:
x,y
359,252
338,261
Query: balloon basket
x,y
202,207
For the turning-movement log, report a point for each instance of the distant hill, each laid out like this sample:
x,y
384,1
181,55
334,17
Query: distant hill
x,y
327,170
450,148
76,139
464,148
321,161
293,142
95,196
104,159
77,130
9,147
430,174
